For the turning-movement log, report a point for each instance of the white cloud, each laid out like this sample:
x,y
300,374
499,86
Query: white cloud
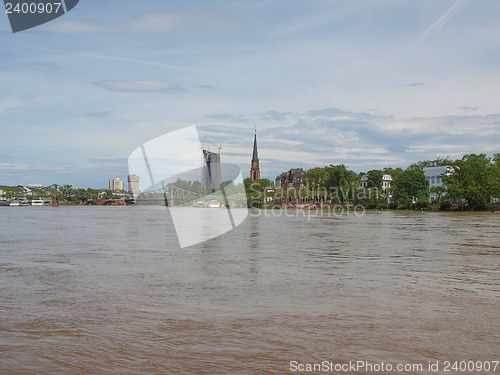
x,y
43,67
148,23
124,85
30,167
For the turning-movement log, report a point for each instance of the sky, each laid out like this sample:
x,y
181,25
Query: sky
x,y
369,84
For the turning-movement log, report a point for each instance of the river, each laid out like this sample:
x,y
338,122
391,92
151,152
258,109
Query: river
x,y
108,290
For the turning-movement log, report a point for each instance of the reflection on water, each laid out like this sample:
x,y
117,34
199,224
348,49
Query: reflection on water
x,y
108,290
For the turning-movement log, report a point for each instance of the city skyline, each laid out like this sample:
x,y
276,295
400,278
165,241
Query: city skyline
x,y
365,84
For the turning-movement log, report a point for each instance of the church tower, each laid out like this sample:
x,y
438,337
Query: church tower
x,y
254,169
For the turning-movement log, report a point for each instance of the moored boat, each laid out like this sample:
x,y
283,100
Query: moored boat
x,y
213,204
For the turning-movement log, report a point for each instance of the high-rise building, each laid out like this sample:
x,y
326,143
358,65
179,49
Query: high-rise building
x,y
133,184
254,169
211,170
115,184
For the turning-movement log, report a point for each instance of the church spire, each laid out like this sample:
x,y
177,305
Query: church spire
x,y
255,153
254,169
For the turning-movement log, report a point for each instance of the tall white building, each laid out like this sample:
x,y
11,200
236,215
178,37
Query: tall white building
x,y
115,184
133,184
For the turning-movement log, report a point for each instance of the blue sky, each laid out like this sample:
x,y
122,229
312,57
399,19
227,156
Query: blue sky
x,y
365,83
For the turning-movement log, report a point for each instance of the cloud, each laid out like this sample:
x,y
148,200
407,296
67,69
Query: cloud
x,y
229,117
150,23
30,167
147,23
469,109
98,114
43,67
275,116
206,87
414,84
363,140
360,140
108,162
120,85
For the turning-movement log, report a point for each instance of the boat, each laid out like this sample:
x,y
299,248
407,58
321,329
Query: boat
x,y
213,204
19,202
4,203
37,202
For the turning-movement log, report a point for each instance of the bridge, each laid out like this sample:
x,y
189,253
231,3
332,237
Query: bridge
x,y
110,202
171,195
168,195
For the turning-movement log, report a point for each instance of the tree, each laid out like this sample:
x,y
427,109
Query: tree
x,y
181,184
196,187
375,179
314,178
252,186
340,181
439,162
394,172
67,192
264,182
108,194
475,179
410,186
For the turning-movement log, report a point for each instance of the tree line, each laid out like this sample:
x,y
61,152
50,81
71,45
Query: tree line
x,y
472,184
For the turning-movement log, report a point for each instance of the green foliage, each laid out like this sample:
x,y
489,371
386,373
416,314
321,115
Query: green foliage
x,y
476,179
194,186
264,182
67,192
440,193
315,177
374,180
445,206
410,186
251,186
340,181
108,194
181,184
394,172
439,162
255,187
392,206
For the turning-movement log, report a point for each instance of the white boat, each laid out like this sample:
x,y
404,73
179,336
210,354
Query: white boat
x,y
213,204
37,202
14,203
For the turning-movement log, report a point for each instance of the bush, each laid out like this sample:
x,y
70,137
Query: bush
x,y
445,206
421,205
393,206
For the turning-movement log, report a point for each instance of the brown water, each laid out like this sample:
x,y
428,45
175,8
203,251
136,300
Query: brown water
x,y
106,290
